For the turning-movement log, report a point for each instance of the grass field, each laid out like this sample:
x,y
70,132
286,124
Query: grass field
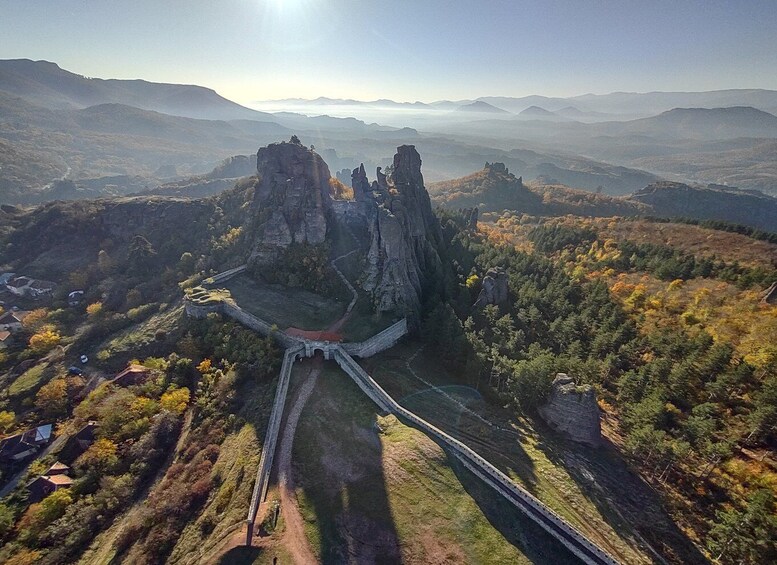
x,y
283,306
371,489
591,488
28,380
363,322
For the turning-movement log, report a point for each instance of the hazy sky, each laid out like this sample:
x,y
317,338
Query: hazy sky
x,y
402,49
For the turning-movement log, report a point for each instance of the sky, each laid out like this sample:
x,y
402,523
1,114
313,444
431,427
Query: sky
x,y
406,50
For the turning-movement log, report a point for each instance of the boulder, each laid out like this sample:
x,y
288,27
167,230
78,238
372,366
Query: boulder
x,y
292,200
495,289
573,411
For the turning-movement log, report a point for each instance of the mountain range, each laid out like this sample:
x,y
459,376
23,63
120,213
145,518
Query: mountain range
x,y
116,137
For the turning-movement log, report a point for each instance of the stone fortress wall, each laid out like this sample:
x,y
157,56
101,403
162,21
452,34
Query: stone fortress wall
x,y
551,522
386,339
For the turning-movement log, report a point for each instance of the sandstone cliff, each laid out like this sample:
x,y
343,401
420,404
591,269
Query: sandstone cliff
x,y
292,202
404,235
573,411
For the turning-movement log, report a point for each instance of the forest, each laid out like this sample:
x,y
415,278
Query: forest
x,y
695,407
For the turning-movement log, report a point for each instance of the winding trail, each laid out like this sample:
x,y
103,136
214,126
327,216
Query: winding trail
x,y
294,537
408,364
355,295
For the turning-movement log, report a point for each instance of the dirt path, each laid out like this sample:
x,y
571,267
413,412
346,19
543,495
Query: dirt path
x,y
409,363
294,536
334,328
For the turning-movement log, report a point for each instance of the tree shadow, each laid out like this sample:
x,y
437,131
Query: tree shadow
x,y
623,498
338,467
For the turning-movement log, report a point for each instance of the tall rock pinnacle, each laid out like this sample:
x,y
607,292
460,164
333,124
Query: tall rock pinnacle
x,y
292,201
405,235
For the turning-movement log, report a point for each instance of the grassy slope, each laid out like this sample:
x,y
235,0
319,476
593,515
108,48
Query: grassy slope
x,y
283,306
590,488
694,240
227,505
374,489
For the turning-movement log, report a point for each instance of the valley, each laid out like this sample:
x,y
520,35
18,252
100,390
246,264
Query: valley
x,y
297,282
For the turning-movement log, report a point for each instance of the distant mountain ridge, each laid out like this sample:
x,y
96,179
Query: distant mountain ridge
x,y
708,123
495,189
46,84
480,106
616,105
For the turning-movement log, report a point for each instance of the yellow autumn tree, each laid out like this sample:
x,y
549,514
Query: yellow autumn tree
x,y
175,400
100,456
94,309
52,398
204,366
34,319
45,339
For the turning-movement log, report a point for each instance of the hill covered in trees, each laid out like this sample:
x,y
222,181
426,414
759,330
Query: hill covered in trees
x,y
495,189
665,320
673,335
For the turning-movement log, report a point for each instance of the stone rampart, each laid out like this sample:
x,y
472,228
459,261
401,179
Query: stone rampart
x,y
225,276
270,440
551,522
232,310
201,310
379,342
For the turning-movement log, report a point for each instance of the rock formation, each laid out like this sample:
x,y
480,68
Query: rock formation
x,y
495,289
472,222
573,411
362,191
770,296
292,201
404,236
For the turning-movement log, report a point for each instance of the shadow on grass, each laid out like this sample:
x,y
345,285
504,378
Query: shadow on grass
x,y
241,556
518,529
604,477
455,409
342,487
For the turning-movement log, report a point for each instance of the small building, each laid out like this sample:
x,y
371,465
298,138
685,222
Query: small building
x,y
58,468
19,285
27,286
11,321
5,339
44,485
132,375
79,442
25,444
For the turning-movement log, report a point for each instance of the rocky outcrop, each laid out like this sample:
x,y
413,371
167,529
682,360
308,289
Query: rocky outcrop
x,y
234,167
292,201
472,222
362,191
573,411
404,236
770,296
495,289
